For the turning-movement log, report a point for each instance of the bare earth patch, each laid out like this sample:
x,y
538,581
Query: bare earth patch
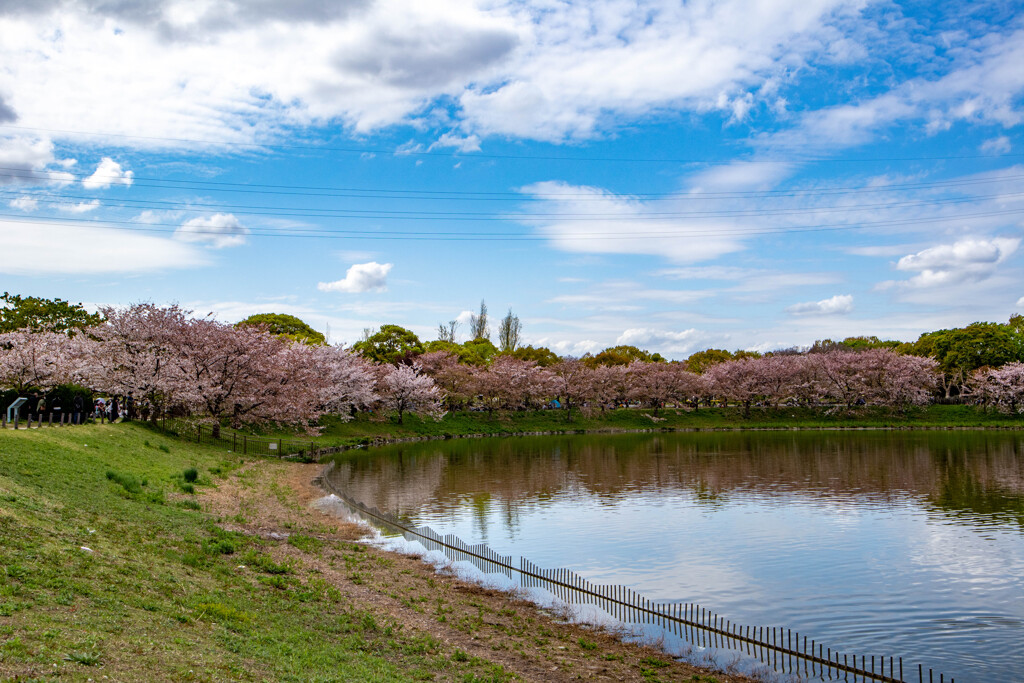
x,y
274,500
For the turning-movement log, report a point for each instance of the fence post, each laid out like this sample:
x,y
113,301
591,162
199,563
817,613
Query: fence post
x,y
234,442
199,434
279,451
245,444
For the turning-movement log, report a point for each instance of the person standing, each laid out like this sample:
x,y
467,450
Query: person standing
x,y
115,409
78,404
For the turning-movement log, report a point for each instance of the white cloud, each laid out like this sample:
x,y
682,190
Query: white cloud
x,y
24,161
621,225
108,172
219,230
983,87
968,260
741,176
464,317
24,203
999,145
470,143
661,340
361,277
80,207
53,249
531,69
837,305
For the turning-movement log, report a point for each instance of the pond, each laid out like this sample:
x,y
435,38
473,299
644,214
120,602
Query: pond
x,y
894,542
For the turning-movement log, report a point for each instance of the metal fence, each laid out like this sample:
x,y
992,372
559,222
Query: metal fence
x,y
253,445
51,419
781,648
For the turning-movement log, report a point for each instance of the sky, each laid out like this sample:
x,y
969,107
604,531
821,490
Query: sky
x,y
739,174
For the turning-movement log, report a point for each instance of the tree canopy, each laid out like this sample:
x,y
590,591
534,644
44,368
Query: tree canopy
x,y
38,314
961,351
390,344
285,326
622,355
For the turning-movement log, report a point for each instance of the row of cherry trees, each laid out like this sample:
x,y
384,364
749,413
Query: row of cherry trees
x,y
169,362
876,376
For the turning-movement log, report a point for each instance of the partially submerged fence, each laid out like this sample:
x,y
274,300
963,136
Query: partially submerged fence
x,y
783,649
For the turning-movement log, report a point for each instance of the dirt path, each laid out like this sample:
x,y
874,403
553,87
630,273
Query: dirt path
x,y
276,500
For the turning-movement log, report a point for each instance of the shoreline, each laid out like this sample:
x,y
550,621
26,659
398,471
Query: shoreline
x,y
139,556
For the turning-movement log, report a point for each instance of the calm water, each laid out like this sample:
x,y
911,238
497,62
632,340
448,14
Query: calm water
x,y
898,543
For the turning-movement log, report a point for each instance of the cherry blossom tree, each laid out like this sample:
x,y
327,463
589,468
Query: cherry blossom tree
x,y
571,382
245,375
345,380
35,360
406,389
896,380
516,383
132,353
1002,387
455,379
736,380
608,385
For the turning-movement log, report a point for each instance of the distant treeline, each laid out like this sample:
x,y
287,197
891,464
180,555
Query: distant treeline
x,y
276,369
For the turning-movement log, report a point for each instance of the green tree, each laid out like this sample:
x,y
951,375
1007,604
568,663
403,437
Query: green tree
x,y
509,331
961,351
38,314
542,356
478,327
287,327
623,354
702,360
478,351
390,344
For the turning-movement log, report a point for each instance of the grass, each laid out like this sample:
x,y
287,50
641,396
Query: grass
x,y
367,429
107,570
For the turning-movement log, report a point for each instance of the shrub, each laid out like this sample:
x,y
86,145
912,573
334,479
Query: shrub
x,y
191,474
127,481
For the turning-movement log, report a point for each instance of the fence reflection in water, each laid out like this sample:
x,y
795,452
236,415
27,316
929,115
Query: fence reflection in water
x,y
779,648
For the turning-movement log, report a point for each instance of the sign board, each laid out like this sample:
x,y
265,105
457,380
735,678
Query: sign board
x,y
13,408
272,446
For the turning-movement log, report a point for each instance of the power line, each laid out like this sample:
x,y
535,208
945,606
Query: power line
x,y
330,233
292,212
482,155
448,195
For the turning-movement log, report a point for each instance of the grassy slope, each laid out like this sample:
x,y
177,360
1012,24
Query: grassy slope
x,y
161,596
365,428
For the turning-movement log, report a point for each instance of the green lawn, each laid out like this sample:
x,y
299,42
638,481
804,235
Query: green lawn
x,y
366,428
107,568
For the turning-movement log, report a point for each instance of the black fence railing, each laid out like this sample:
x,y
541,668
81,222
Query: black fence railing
x,y
781,648
54,418
254,445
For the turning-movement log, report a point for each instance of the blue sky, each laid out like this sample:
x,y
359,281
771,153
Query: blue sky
x,y
674,175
